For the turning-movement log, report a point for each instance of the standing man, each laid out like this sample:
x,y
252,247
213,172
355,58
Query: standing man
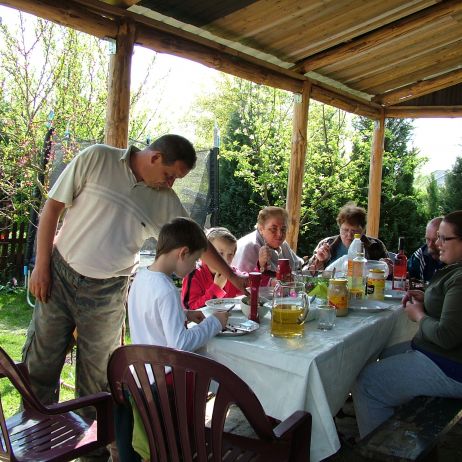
x,y
426,259
114,200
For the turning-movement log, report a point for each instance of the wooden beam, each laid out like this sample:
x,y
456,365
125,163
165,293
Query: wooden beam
x,y
412,112
420,88
348,103
119,77
297,164
379,36
375,179
68,14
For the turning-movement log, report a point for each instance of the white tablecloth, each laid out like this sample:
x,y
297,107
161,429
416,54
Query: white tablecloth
x,y
314,373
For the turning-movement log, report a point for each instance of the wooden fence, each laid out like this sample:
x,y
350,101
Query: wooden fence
x,y
12,245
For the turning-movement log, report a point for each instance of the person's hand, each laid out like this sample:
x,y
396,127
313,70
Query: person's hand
x,y
194,316
264,256
220,280
323,252
389,263
414,310
40,283
413,295
222,316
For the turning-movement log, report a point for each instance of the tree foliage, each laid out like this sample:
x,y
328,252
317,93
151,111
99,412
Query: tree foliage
x,y
49,76
451,197
256,125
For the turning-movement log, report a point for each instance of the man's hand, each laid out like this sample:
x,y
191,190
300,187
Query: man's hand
x,y
40,283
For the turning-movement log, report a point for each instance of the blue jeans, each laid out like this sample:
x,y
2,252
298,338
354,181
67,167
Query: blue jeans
x,y
392,381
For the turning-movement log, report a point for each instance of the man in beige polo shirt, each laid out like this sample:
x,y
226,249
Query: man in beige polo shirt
x,y
114,200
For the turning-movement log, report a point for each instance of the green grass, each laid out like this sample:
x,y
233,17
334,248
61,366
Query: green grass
x,y
15,316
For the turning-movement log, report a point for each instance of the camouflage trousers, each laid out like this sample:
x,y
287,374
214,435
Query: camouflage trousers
x,y
96,307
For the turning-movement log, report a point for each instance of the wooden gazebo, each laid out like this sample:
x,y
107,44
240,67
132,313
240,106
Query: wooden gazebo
x,y
399,58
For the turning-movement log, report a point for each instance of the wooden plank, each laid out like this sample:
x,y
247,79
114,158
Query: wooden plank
x,y
297,165
119,77
380,36
375,179
412,112
420,88
413,70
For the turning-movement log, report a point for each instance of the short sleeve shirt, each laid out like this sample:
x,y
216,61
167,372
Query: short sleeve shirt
x,y
108,213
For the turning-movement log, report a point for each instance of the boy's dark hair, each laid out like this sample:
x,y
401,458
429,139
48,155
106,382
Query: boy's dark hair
x,y
173,148
181,232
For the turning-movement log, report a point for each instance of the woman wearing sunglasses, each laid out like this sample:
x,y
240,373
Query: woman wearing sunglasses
x,y
431,365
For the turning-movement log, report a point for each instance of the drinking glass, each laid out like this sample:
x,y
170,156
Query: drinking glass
x,y
289,310
326,317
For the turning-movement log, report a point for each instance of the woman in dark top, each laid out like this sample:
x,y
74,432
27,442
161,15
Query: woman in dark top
x,y
432,364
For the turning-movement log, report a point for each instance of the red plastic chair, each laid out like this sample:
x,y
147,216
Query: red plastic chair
x,y
51,433
175,434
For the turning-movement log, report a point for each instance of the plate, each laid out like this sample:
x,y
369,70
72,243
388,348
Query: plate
x,y
369,306
391,294
239,326
222,304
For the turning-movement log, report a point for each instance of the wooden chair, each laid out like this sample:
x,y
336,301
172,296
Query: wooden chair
x,y
50,433
177,432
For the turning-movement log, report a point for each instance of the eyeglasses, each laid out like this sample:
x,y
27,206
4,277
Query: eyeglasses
x,y
430,241
350,232
443,239
274,230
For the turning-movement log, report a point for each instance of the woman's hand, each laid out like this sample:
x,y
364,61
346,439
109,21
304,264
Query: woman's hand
x,y
264,257
323,252
194,316
414,310
413,296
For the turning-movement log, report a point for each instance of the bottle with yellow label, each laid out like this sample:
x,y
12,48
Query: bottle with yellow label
x,y
337,295
376,284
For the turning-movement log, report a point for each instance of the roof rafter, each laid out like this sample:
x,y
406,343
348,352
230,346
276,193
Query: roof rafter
x,y
379,36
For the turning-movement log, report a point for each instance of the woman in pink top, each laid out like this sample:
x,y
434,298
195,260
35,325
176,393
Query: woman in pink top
x,y
204,283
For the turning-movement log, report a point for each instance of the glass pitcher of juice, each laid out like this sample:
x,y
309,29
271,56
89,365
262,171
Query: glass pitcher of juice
x,y
290,309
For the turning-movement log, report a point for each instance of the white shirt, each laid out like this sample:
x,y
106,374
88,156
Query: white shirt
x,y
156,316
109,214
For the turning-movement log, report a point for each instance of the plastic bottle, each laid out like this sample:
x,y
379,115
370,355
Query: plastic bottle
x,y
357,285
400,267
353,250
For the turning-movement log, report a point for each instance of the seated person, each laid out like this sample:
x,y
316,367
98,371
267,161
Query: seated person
x,y
156,316
204,283
432,363
351,220
426,260
261,249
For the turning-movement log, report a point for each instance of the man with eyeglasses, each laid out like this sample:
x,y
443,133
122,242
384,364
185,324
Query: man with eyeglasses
x,y
426,259
351,220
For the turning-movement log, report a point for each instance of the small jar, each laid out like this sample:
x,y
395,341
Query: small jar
x,y
337,295
376,284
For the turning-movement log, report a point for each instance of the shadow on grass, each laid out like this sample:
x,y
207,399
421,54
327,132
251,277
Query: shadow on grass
x,y
15,313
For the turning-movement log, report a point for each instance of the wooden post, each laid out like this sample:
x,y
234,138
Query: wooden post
x,y
297,164
118,103
375,178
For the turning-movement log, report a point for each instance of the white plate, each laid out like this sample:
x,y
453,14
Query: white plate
x,y
239,326
391,294
222,304
369,306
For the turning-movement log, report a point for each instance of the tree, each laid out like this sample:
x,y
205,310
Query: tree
x,y
434,199
49,76
452,191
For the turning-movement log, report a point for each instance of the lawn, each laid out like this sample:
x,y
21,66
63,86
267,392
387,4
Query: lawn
x,y
15,315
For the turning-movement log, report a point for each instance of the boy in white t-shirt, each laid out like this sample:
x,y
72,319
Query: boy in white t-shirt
x,y
155,313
